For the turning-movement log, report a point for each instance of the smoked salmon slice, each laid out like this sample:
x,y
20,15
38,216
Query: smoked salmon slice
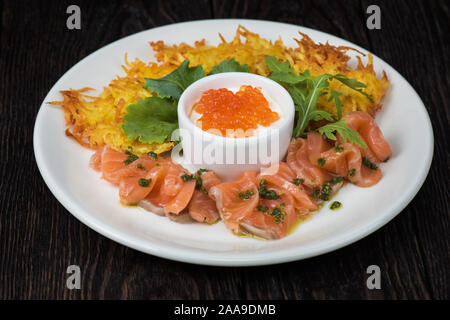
x,y
160,197
276,213
111,163
283,178
181,200
171,190
202,207
275,221
115,165
96,159
346,160
369,131
262,205
135,188
236,200
302,158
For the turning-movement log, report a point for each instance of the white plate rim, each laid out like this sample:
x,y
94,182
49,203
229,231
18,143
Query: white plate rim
x,y
195,257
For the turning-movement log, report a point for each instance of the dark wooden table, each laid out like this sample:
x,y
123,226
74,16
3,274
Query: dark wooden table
x,y
39,238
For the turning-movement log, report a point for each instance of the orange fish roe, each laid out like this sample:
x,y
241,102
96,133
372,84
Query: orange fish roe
x,y
223,110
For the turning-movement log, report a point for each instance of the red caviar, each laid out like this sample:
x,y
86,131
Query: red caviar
x,y
223,110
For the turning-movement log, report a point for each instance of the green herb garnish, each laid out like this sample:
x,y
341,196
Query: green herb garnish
x,y
153,155
131,158
198,181
173,84
337,179
267,194
187,177
369,164
335,205
345,132
339,148
246,194
229,65
321,162
150,120
278,214
200,171
325,192
298,181
144,182
352,172
199,184
140,166
263,208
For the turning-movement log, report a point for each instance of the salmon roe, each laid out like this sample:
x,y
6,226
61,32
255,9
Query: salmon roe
x,y
222,110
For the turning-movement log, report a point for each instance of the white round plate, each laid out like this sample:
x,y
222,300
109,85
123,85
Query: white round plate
x,y
64,164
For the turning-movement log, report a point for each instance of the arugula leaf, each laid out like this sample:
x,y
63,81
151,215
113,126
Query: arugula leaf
x,y
308,109
173,84
334,95
345,132
298,94
354,84
317,115
229,65
151,120
305,90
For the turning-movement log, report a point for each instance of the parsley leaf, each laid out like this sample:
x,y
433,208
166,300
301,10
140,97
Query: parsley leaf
x,y
275,66
151,120
229,65
173,84
345,132
282,72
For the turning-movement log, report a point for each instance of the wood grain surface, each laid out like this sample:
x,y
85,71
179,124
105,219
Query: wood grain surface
x,y
39,239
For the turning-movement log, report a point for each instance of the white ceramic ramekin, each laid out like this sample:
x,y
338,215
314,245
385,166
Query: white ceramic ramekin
x,y
229,157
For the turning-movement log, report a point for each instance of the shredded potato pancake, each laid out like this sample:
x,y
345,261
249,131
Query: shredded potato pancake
x,y
94,121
